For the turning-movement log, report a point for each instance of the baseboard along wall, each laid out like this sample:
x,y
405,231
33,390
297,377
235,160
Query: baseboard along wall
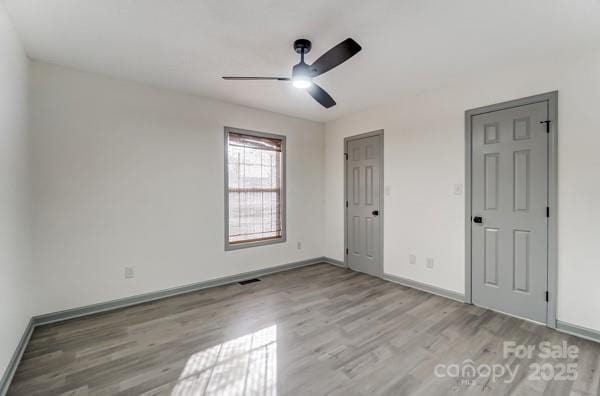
x,y
16,358
425,287
579,331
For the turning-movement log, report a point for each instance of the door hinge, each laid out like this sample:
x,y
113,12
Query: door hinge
x,y
346,203
346,156
547,122
548,211
546,296
346,250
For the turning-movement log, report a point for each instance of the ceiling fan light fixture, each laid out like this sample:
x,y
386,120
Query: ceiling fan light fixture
x,y
301,82
301,77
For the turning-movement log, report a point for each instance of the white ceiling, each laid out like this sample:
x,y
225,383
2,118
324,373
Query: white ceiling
x,y
408,45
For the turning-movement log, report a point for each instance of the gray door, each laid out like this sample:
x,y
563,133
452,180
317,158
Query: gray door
x,y
363,189
510,195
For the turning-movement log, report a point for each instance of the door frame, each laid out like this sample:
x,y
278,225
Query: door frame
x,y
552,235
348,139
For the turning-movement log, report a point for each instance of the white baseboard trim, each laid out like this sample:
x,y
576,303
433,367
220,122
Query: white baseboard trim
x,y
425,287
16,358
579,331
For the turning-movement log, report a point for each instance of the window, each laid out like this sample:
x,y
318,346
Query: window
x,y
255,188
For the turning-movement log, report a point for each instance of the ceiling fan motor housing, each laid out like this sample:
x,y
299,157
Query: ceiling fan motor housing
x,y
301,69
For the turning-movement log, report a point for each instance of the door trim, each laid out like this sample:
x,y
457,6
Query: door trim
x,y
552,99
348,139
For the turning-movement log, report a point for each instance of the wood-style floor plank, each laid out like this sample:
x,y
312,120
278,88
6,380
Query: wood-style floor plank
x,y
317,330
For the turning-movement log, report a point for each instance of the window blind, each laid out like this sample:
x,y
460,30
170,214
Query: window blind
x,y
254,185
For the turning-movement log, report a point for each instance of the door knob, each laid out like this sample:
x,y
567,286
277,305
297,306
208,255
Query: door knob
x,y
478,219
375,213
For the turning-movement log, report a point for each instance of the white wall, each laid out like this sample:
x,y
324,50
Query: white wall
x,y
15,268
424,157
131,175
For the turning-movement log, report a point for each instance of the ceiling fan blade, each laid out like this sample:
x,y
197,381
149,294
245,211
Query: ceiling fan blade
x,y
335,56
321,96
256,78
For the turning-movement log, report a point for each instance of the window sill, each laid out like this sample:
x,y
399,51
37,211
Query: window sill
x,y
238,246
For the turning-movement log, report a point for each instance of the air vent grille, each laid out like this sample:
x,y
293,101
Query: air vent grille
x,y
245,282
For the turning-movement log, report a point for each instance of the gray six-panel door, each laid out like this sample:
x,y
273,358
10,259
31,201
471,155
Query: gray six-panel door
x,y
363,189
509,200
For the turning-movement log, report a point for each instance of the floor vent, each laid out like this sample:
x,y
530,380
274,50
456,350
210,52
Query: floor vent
x,y
249,281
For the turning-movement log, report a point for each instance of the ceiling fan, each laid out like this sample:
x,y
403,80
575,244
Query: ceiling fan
x,y
303,74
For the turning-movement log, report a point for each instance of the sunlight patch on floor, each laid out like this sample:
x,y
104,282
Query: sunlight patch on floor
x,y
246,365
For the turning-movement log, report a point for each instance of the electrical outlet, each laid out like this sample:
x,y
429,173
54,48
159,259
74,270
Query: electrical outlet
x,y
458,189
412,259
299,245
429,263
129,273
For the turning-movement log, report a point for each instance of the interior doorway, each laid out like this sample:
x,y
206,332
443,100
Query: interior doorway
x,y
511,207
363,191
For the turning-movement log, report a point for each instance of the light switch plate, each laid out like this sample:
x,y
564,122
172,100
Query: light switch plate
x,y
458,189
412,259
387,190
429,263
129,272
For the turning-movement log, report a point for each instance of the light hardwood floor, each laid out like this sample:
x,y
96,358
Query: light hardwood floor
x,y
311,331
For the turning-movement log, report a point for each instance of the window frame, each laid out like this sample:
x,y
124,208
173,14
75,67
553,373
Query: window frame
x,y
283,238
